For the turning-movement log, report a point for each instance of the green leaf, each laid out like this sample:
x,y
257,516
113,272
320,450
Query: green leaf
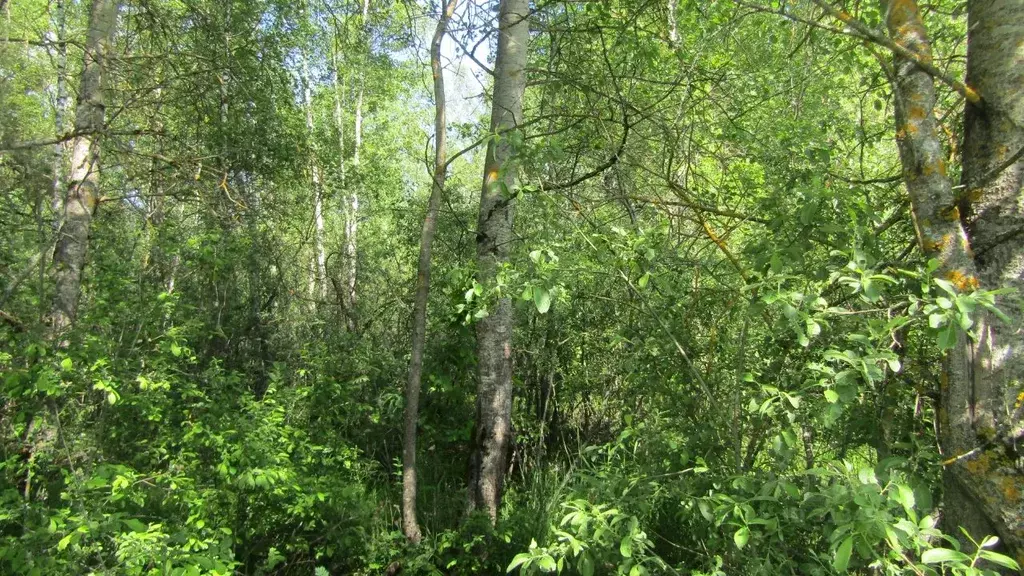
x,y
1004,561
989,541
66,365
586,566
705,510
626,547
135,525
642,282
64,542
831,396
813,328
937,555
741,537
519,559
546,564
870,289
842,557
905,496
542,299
947,338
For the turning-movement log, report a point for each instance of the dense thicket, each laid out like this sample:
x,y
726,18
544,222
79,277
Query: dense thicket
x,y
757,311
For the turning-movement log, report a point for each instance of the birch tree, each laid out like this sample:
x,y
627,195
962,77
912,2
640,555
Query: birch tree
x,y
84,179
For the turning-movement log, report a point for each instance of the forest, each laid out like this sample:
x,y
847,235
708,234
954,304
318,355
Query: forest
x,y
450,287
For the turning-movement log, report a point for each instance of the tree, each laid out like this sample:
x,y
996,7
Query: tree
x,y
978,421
982,406
410,526
84,179
492,433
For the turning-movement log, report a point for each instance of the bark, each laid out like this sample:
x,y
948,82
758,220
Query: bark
x,y
84,178
983,411
352,221
338,121
493,430
60,108
978,419
673,29
320,256
410,526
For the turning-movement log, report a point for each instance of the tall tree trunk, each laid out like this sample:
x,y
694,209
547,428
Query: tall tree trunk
x,y
983,410
84,179
978,421
60,111
493,430
319,280
410,526
339,123
352,219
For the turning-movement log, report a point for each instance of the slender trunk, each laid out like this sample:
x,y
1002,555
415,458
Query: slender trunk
x,y
339,123
737,398
60,112
84,179
352,219
673,29
410,526
492,433
319,277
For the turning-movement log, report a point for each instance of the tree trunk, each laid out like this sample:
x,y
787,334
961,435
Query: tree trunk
x,y
410,526
338,119
983,411
84,178
319,280
60,111
352,220
493,430
978,424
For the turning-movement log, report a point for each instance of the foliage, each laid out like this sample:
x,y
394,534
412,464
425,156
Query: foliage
x,y
727,347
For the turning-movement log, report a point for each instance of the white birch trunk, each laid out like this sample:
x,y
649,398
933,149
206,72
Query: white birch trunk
x,y
84,178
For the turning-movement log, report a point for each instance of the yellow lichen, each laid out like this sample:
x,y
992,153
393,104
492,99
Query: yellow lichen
x,y
1011,492
963,282
916,113
980,465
